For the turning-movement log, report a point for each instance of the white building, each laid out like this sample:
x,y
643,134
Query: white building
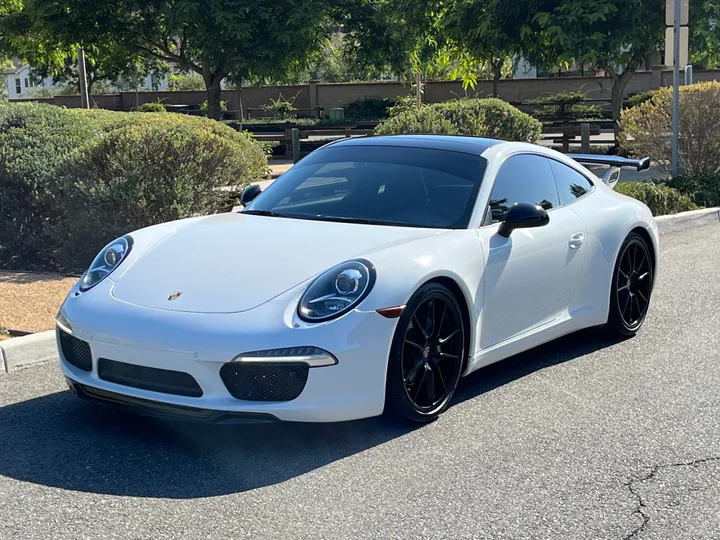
x,y
19,82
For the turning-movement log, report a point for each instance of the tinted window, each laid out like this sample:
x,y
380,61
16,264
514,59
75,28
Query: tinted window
x,y
415,187
571,184
523,178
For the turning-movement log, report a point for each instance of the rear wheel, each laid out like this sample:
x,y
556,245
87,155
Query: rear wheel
x,y
631,287
427,356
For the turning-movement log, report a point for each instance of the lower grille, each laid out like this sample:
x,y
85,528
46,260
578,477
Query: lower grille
x,y
264,382
75,351
148,378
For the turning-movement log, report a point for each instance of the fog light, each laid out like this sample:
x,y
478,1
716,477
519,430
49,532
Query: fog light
x,y
312,356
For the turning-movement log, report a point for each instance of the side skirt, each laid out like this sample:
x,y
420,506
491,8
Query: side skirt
x,y
563,325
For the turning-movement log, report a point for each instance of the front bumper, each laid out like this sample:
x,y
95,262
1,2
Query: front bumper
x,y
166,411
201,344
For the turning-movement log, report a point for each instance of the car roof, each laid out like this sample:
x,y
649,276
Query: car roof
x,y
457,143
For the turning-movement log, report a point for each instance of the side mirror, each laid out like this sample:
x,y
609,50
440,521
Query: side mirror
x,y
249,193
523,216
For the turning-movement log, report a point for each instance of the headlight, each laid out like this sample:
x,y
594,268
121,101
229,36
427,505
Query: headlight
x,y
337,291
106,261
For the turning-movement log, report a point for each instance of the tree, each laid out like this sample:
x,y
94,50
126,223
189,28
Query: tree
x,y
705,33
34,31
186,81
613,35
214,38
487,31
400,36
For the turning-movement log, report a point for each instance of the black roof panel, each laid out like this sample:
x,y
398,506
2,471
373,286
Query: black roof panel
x,y
457,143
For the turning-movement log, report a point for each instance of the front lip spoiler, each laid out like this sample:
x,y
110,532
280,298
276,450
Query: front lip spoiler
x,y
166,411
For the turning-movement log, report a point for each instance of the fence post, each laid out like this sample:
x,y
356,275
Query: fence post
x,y
585,137
296,144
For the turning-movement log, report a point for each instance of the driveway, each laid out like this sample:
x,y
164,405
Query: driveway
x,y
583,438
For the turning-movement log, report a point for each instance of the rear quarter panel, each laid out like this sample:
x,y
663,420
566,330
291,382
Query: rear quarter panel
x,y
610,217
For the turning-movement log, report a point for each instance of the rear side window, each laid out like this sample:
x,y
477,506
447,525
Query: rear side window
x,y
523,178
571,184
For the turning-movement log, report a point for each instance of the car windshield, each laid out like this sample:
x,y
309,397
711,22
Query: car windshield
x,y
381,185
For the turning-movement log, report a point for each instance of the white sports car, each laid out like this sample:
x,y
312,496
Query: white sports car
x,y
368,278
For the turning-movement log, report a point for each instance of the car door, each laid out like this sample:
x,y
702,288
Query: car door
x,y
529,276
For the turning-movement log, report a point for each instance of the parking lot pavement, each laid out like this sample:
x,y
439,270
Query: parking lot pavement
x,y
582,438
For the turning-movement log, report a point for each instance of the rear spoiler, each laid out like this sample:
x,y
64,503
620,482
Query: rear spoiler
x,y
614,164
612,161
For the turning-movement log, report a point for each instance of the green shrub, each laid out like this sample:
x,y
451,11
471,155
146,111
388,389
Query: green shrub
x,y
35,140
646,129
662,200
368,108
63,171
141,175
281,108
223,106
638,98
704,188
152,106
563,107
489,117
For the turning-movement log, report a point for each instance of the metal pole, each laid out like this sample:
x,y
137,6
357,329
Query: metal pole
x,y
418,89
585,137
295,144
676,91
84,98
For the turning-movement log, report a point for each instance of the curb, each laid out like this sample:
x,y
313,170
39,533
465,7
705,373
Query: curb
x,y
688,220
21,352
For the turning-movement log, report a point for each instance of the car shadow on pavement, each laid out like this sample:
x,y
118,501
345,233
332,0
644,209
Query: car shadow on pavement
x,y
57,440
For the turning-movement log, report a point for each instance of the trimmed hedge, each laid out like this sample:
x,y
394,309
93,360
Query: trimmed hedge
x,y
72,180
489,117
564,106
370,108
703,188
661,200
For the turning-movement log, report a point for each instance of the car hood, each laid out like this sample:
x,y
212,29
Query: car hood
x,y
233,262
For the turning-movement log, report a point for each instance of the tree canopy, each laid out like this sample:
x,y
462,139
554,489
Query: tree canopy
x,y
214,38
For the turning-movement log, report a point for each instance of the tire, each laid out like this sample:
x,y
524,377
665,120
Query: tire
x,y
424,366
631,287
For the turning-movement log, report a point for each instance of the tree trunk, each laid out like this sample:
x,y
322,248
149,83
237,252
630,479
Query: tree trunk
x,y
213,89
238,93
497,72
620,82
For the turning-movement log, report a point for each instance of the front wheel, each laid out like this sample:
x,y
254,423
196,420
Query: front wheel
x,y
632,284
427,356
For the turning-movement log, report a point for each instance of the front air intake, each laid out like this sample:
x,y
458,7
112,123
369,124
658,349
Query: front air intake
x,y
264,382
76,352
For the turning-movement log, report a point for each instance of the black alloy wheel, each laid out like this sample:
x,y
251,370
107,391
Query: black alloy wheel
x,y
427,356
631,287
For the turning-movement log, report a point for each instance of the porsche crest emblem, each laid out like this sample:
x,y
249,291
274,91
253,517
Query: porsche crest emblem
x,y
174,296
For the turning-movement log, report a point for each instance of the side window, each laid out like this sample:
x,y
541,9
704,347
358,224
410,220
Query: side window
x,y
571,184
523,178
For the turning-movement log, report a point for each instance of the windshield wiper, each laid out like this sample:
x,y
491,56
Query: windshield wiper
x,y
364,221
262,213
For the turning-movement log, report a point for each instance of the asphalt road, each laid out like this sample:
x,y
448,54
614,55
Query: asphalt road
x,y
582,438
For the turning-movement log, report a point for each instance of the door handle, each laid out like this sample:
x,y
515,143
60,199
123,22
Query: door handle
x,y
577,240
